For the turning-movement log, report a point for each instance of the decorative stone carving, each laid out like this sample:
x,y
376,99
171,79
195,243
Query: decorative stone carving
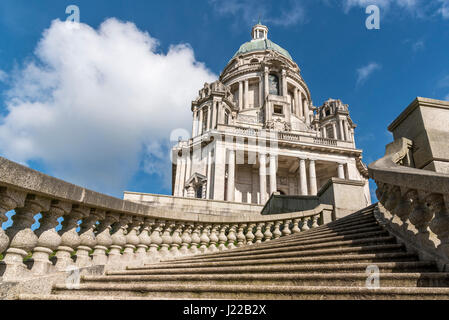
x,y
104,239
213,239
421,215
166,240
87,238
286,229
241,239
144,241
222,238
9,200
48,239
249,234
186,239
267,234
156,241
195,238
118,242
232,237
259,234
23,239
440,222
277,230
177,240
132,240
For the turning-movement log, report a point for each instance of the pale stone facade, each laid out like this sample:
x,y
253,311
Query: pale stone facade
x,y
256,131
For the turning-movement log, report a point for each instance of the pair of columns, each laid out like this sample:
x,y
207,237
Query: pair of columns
x,y
244,94
213,117
303,187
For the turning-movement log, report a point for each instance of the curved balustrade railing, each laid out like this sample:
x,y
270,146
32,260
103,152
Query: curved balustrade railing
x,y
115,233
414,202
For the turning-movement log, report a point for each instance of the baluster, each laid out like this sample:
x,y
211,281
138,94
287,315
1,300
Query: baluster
x,y
144,241
104,239
393,199
241,239
23,239
177,240
166,240
87,238
296,228
118,242
267,234
404,208
9,200
232,237
156,241
385,194
259,234
49,240
204,239
420,216
186,239
132,240
195,239
315,221
249,234
440,222
222,238
213,239
70,238
277,230
286,229
305,224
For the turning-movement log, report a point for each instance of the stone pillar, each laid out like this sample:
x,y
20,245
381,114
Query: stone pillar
x,y
345,126
273,169
341,171
200,123
230,194
266,86
300,105
188,166
214,114
295,92
209,171
306,111
340,124
334,129
324,133
182,179
195,124
263,177
312,178
240,95
219,176
178,176
246,99
284,83
209,113
303,177
260,92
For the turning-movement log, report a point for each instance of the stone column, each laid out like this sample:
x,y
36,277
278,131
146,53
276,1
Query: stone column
x,y
209,113
300,105
334,129
188,166
260,92
324,133
263,177
312,178
340,124
230,194
240,95
273,171
246,99
295,97
303,177
345,126
284,83
195,124
306,111
266,85
214,114
341,171
209,171
178,176
182,179
200,123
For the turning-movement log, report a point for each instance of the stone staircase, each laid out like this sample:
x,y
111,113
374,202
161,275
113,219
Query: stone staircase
x,y
328,262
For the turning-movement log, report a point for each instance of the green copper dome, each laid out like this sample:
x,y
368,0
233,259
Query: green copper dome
x,y
261,45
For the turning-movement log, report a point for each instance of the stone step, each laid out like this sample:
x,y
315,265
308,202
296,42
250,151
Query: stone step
x,y
372,258
391,251
259,292
276,248
407,266
292,279
288,252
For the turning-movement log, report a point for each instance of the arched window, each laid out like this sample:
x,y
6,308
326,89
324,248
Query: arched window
x,y
273,81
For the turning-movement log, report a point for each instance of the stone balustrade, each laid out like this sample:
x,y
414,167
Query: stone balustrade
x,y
99,230
414,203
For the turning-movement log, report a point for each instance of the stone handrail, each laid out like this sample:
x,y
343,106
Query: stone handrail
x,y
115,233
414,202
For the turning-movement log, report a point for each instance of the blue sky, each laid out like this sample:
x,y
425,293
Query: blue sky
x,y
120,141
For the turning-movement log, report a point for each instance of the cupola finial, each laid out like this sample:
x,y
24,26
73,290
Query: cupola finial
x,y
259,31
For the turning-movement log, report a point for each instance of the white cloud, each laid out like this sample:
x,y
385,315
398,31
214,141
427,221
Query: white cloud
x,y
385,4
250,10
3,76
418,45
365,72
94,105
444,9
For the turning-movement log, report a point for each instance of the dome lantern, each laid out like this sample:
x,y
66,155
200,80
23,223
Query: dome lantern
x,y
259,32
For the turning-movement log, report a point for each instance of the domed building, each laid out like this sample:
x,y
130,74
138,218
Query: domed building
x,y
256,132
